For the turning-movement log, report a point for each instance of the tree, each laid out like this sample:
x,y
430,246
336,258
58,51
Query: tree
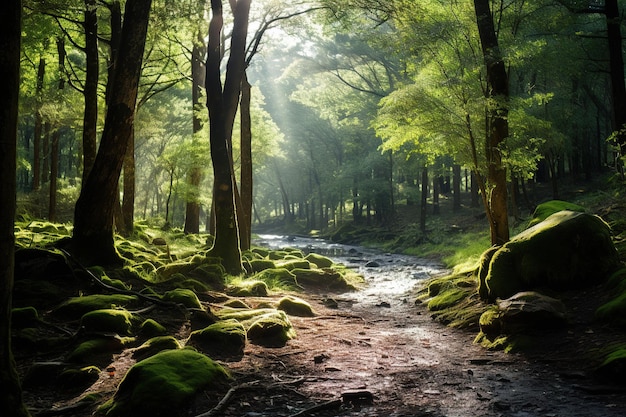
x,y
222,103
497,95
93,214
10,40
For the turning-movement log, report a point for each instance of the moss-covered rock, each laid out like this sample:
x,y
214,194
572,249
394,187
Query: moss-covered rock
x,y
271,329
236,303
613,368
183,296
248,288
155,345
91,350
277,278
165,383
79,378
76,307
295,306
319,261
614,311
24,317
257,265
547,209
292,263
567,250
151,328
320,278
225,339
531,312
108,321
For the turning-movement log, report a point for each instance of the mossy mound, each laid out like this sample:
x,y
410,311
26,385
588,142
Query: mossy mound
x,y
248,288
321,278
155,345
91,351
319,261
79,378
183,296
614,311
295,306
613,368
151,328
271,329
547,209
24,317
277,278
565,251
165,383
76,307
107,321
236,303
291,263
225,339
253,266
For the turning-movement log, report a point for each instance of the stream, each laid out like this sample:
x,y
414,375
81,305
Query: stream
x,y
379,342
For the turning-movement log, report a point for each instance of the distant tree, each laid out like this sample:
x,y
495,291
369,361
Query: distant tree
x,y
93,215
11,402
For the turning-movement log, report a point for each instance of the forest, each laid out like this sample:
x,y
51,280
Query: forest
x,y
149,149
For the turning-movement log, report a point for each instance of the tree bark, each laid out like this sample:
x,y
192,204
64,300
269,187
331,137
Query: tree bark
x,y
93,215
246,187
618,86
222,106
38,131
424,199
128,200
194,176
497,94
11,402
90,91
56,137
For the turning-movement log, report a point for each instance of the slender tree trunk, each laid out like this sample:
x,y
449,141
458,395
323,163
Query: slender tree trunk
x,y
498,128
93,215
194,176
618,86
128,199
222,105
38,132
424,199
436,210
246,187
90,91
11,402
456,190
56,136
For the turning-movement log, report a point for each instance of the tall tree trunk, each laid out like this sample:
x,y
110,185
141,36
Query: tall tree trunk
x,y
194,176
90,91
11,402
456,187
128,199
93,215
497,93
618,86
38,131
246,187
424,199
56,136
222,106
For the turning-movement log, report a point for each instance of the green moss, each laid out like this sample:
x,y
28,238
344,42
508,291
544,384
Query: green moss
x,y
108,320
489,321
24,317
614,311
79,378
151,328
165,383
88,350
293,263
328,279
242,315
277,278
271,329
183,296
155,345
545,210
446,299
78,306
236,303
613,367
224,339
257,265
295,306
247,288
319,261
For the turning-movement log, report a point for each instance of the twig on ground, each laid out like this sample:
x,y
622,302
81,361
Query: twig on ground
x,y
217,410
319,407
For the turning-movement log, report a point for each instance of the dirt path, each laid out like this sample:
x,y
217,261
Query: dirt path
x,y
379,343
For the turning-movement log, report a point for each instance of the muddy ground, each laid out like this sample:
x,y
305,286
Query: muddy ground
x,y
376,352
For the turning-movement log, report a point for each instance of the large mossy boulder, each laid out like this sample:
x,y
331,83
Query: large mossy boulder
x,y
547,209
222,340
567,250
76,307
108,320
165,383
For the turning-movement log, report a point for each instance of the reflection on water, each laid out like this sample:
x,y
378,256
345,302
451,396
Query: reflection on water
x,y
390,278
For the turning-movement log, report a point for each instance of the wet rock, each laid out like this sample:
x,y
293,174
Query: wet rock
x,y
372,264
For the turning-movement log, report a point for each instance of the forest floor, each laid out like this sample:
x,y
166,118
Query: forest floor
x,y
379,353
